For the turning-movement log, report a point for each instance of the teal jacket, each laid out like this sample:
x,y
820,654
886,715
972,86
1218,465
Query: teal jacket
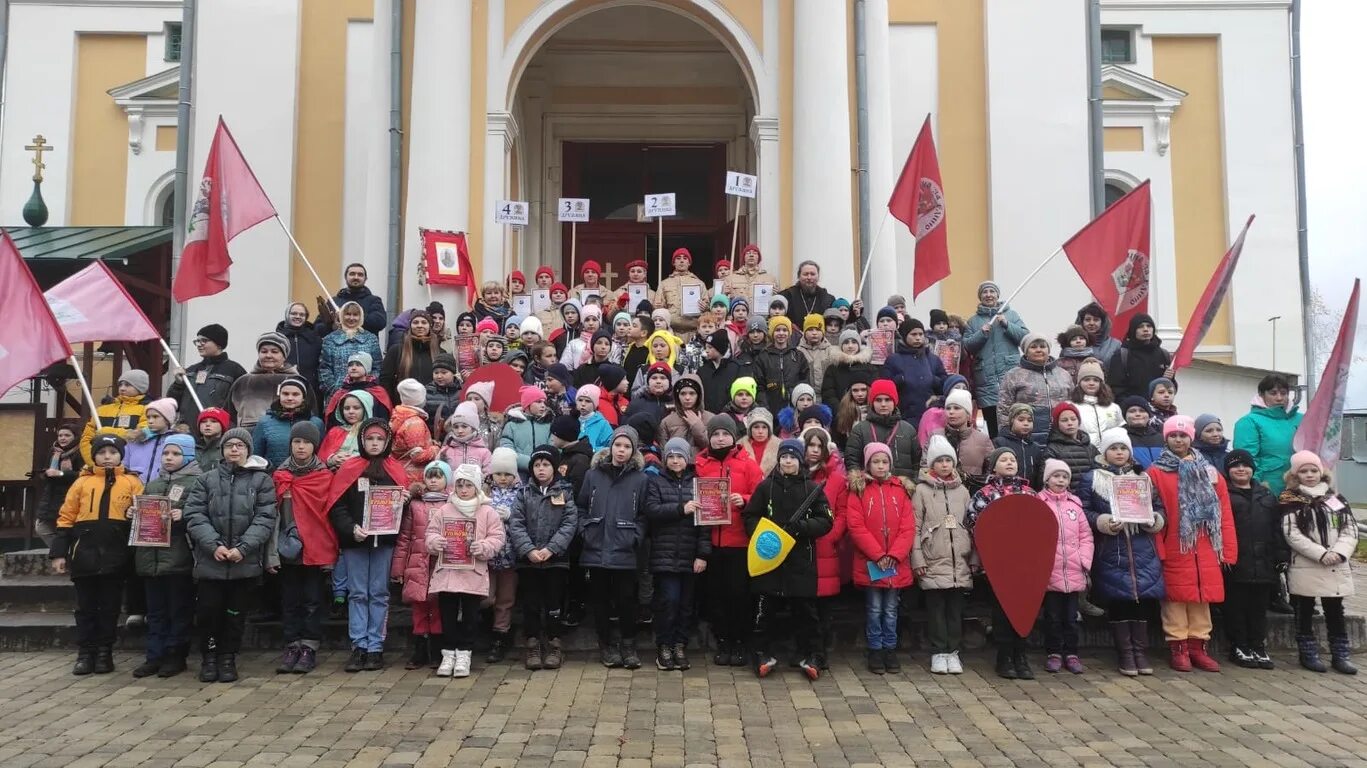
x,y
1267,434
995,352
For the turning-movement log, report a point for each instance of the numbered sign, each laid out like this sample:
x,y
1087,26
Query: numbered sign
x,y
660,204
742,184
512,212
573,209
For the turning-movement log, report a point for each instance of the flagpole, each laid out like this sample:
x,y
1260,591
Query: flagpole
x,y
735,232
189,387
660,250
574,245
1030,277
326,291
85,389
869,263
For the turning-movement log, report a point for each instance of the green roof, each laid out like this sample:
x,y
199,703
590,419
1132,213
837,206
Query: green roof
x,y
86,243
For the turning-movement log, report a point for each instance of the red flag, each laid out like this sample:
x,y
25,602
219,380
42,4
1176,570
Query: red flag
x,y
92,305
447,258
230,189
1204,313
1321,430
29,345
918,201
1111,255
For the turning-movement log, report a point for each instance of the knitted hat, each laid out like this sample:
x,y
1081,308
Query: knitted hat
x,y
1018,409
832,315
996,454
660,315
274,339
1115,436
107,440
1090,368
952,380
1052,466
720,341
778,300
813,322
1163,380
1032,338
757,323
681,252
566,428
466,413
850,334
883,387
306,430
660,368
166,407
887,312
367,362
817,411
592,310
720,300
546,453
679,446
590,266
897,300
186,443
1179,424
779,321
503,459
526,395
611,375
939,448
560,372
444,362
544,271
215,414
871,449
629,433
1239,458
961,398
792,447
591,392
1202,421
559,286
938,316
688,381
411,393
531,325
471,473
1301,459
442,468
744,384
215,333
1059,410
724,423
437,308
739,301
236,433
517,275
484,390
751,249
136,379
988,284
909,325
645,425
801,389
1135,401
513,321
759,416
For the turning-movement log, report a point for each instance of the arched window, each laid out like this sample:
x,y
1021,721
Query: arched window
x,y
168,208
1114,191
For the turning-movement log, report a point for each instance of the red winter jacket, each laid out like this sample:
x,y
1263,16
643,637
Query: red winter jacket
x,y
412,563
833,550
745,477
1195,576
881,523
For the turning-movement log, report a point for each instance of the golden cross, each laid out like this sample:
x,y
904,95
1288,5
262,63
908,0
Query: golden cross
x,y
609,276
38,147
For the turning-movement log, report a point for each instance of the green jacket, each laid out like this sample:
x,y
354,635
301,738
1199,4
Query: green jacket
x,y
1267,434
174,560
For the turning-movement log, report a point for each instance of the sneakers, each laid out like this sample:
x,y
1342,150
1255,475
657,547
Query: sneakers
x,y
1264,661
462,667
208,668
890,662
664,658
680,657
764,665
1244,658
288,660
374,661
630,659
85,662
1073,664
875,662
809,668
357,661
308,661
1053,663
939,664
147,668
952,664
554,657
448,664
1200,658
610,654
533,660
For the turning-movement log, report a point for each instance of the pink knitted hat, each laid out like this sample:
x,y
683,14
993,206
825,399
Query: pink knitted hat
x,y
1181,424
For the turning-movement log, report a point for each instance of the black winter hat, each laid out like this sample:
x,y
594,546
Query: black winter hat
x,y
435,308
611,375
909,325
108,441
938,316
215,333
644,424
720,340
446,362
548,452
566,428
560,372
1239,458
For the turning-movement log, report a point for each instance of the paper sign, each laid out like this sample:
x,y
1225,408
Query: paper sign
x,y
512,212
573,209
458,538
522,304
541,300
713,495
741,184
150,523
718,289
383,509
691,300
880,343
761,293
636,293
660,204
1132,499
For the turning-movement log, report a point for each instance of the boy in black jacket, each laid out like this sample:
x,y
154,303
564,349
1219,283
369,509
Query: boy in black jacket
x,y
542,526
793,583
678,552
1263,555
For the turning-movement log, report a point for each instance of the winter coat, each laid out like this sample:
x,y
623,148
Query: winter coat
x,y
745,476
833,550
92,525
1125,565
176,559
143,458
842,371
742,281
543,518
778,498
271,436
972,447
919,374
613,407
656,407
1146,445
334,351
523,434
1307,576
219,374
1098,418
234,507
502,498
1215,454
1136,364
1029,456
1073,552
996,487
942,546
1262,545
441,402
717,379
675,542
1039,386
306,348
348,513
819,358
412,563
373,306
209,453
576,459
1104,345
611,517
119,416
595,429
1266,433
488,541
409,425
670,297
676,425
419,366
1077,452
69,463
800,304
471,450
252,395
994,353
881,524
1195,576
893,432
766,456
777,371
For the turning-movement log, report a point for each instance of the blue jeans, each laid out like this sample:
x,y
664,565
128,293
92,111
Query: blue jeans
x,y
170,609
673,600
339,578
367,570
880,617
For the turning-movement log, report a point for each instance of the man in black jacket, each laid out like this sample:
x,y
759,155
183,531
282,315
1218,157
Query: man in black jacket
x,y
212,377
806,297
355,290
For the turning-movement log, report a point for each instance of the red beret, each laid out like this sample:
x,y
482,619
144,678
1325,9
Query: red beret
x,y
883,387
638,263
723,263
590,265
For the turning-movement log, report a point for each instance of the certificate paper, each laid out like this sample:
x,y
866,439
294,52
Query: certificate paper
x,y
150,524
383,509
880,343
636,293
1132,499
761,293
691,300
713,495
541,300
522,304
458,539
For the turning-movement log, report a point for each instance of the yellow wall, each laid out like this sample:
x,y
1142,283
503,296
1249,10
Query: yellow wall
x,y
1198,198
99,136
166,138
1111,92
962,137
1124,139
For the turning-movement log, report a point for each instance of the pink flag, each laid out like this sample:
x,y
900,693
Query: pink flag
x,y
1204,313
1321,430
92,305
32,343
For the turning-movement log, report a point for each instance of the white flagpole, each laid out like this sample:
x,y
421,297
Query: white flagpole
x,y
735,232
85,389
326,291
869,262
189,386
1030,277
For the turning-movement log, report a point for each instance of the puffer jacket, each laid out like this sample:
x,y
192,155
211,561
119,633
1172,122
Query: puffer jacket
x,y
143,458
412,563
575,461
271,437
1262,545
441,402
942,547
121,416
972,447
501,498
611,517
881,524
1146,444
1196,576
918,374
819,358
468,451
843,371
69,462
778,499
1029,456
745,478
1136,364
219,374
717,379
1267,434
409,425
337,347
1125,565
487,542
893,432
543,518
176,559
1098,418
833,551
995,352
92,525
1039,386
1077,452
1073,552
233,507
996,487
523,434
675,542
1307,576
776,372
1104,345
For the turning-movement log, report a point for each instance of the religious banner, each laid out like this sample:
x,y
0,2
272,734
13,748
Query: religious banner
x,y
458,539
713,495
880,344
383,510
1132,499
150,522
446,259
467,352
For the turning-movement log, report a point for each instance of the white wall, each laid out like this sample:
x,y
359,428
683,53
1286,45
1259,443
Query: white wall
x,y
359,99
913,54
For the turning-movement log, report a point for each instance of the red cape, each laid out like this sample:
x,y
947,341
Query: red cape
x,y
351,470
308,495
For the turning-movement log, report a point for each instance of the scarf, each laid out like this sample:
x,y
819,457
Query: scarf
x,y
1315,491
435,497
1197,502
467,507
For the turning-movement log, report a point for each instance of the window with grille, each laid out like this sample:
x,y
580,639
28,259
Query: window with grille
x,y
172,32
1117,46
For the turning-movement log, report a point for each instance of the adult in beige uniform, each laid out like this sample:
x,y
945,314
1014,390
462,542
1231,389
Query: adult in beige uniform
x,y
740,283
670,294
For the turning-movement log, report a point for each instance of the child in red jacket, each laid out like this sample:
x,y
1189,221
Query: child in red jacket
x,y
882,528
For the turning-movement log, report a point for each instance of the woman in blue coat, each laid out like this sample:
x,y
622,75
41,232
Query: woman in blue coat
x,y
993,338
338,347
915,369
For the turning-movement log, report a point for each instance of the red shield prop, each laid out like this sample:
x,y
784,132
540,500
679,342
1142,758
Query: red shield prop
x,y
1016,537
506,383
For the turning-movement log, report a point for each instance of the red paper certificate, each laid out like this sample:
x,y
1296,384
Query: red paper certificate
x,y
150,518
880,343
459,538
949,353
467,352
383,510
1132,499
713,495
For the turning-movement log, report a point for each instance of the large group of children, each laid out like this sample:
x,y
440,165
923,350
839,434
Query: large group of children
x,y
580,495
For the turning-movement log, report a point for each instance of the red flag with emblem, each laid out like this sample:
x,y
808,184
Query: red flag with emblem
x,y
918,201
1204,315
29,345
1111,255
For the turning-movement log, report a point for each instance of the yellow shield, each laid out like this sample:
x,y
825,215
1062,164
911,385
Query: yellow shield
x,y
769,545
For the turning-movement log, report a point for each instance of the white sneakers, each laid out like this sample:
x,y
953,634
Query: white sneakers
x,y
953,663
946,664
462,668
448,664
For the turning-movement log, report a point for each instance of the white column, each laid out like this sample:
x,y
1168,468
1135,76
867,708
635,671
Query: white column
x,y
769,198
913,64
438,135
885,159
360,90
499,137
822,229
375,251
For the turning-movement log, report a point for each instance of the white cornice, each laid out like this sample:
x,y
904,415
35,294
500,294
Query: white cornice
x,y
1195,5
1151,99
103,3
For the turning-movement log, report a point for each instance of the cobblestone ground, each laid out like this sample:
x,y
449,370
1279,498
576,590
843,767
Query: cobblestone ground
x,y
585,715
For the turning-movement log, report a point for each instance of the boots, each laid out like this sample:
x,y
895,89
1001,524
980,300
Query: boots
x,y
876,664
227,668
722,657
534,660
85,662
1309,648
664,658
147,668
208,668
104,660
434,651
553,657
1200,657
1180,660
421,655
498,650
1139,644
1124,648
1341,653
1006,669
890,662
1279,602
1021,661
173,663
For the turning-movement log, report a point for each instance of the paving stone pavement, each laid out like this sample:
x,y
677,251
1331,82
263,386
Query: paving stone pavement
x,y
585,715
